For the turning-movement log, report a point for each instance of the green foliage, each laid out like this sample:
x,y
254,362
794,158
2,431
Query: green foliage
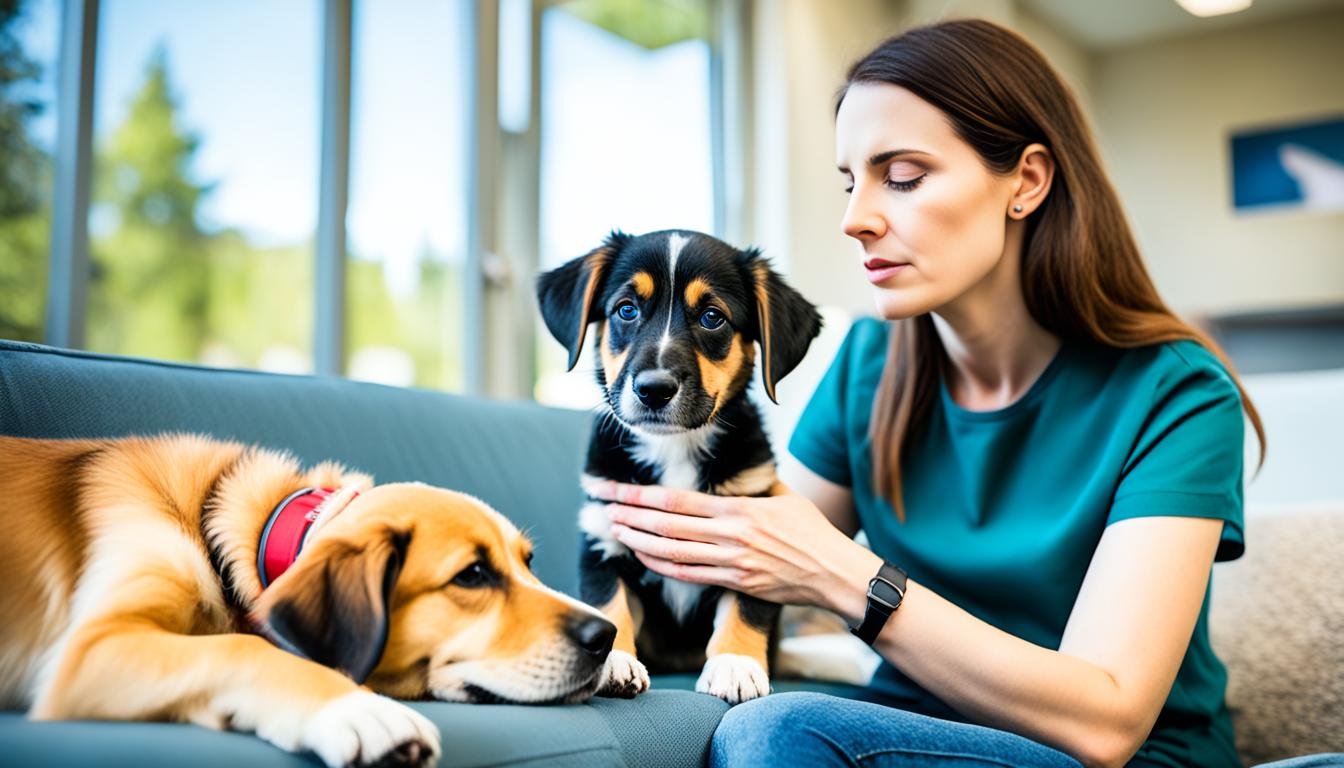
x,y
652,24
25,184
164,286
148,291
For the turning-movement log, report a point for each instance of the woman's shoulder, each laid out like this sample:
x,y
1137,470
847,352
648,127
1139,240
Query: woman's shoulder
x,y
1169,367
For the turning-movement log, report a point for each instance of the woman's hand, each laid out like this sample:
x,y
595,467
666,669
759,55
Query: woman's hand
x,y
777,548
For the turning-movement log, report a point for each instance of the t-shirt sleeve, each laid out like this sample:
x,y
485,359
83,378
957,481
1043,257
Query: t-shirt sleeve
x,y
820,440
1187,460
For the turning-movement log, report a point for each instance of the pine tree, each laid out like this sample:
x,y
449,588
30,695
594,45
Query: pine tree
x,y
149,288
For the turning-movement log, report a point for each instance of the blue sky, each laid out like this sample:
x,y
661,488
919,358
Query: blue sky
x,y
626,142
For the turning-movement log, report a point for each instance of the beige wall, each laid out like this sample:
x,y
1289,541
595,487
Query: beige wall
x,y
1165,112
803,48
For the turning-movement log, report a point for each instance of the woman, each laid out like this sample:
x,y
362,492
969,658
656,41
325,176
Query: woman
x,y
1052,456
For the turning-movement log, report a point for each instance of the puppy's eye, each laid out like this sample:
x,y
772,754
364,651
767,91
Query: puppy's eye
x,y
627,311
527,560
474,576
711,319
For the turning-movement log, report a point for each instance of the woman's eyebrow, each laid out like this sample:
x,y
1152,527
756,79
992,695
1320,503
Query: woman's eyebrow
x,y
882,157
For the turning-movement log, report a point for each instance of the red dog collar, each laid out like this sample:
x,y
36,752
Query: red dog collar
x,y
287,530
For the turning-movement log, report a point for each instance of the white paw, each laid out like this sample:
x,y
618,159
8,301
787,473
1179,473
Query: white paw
x,y
363,728
733,678
623,676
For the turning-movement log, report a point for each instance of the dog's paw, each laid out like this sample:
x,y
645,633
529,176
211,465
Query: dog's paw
x,y
365,729
733,678
624,676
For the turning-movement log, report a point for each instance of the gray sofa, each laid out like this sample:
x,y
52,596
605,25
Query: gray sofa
x,y
524,459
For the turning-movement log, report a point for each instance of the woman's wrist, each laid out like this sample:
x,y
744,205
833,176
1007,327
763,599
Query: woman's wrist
x,y
847,594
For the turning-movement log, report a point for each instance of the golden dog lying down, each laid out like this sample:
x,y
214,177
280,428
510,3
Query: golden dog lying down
x,y
134,591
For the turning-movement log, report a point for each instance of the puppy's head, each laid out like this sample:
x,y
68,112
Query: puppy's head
x,y
677,315
418,591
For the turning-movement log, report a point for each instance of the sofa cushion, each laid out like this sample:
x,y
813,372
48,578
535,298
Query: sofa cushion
x,y
661,729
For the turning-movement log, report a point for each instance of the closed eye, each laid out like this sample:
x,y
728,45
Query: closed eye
x,y
476,576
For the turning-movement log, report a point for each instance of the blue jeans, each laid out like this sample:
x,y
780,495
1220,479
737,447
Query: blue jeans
x,y
813,729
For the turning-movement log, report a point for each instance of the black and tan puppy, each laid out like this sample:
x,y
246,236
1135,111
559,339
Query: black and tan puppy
x,y
142,576
677,315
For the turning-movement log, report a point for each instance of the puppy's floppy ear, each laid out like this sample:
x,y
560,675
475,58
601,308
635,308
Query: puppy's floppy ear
x,y
786,322
566,293
333,608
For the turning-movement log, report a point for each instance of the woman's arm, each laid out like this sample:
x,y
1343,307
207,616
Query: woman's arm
x,y
836,502
1096,697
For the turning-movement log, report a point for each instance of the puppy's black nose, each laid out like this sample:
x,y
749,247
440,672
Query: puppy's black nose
x,y
655,388
591,633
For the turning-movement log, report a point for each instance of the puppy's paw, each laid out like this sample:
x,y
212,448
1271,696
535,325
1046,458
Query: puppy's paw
x,y
365,729
733,678
624,676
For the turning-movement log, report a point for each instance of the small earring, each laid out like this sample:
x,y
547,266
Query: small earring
x,y
1017,209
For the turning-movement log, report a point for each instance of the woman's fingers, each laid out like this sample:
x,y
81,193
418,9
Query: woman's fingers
x,y
674,550
668,524
657,497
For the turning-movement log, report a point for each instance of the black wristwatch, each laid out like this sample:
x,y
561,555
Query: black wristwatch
x,y
885,592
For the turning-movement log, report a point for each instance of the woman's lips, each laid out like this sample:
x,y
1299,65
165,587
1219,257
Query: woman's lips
x,y
879,270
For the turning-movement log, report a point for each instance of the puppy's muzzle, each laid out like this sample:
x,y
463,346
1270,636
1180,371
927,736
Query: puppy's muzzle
x,y
593,634
655,389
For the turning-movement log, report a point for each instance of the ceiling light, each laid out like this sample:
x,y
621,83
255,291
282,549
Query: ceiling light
x,y
1213,7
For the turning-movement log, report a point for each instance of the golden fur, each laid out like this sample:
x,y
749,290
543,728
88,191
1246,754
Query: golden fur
x,y
115,609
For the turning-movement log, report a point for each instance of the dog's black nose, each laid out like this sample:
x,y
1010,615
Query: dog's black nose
x,y
655,388
591,633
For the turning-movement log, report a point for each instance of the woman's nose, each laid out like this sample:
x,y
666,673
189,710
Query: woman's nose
x,y
862,219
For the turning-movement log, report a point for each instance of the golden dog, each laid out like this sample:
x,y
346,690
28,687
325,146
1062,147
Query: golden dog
x,y
134,591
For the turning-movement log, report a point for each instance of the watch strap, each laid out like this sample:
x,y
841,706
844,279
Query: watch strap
x,y
886,590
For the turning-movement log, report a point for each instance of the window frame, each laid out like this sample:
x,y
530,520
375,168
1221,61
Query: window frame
x,y
503,186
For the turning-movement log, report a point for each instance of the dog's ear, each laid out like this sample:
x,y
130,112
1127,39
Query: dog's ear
x,y
566,293
786,322
333,608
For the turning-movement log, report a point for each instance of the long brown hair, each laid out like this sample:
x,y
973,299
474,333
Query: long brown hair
x,y
1082,277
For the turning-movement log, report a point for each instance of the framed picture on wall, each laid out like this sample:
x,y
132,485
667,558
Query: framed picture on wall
x,y
1293,167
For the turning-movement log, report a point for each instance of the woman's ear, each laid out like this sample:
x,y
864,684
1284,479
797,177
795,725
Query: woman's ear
x,y
786,323
1035,174
566,293
333,607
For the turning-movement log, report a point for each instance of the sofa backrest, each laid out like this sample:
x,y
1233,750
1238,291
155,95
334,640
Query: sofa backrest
x,y
521,458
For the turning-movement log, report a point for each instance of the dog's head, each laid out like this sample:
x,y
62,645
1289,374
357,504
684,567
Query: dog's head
x,y
678,316
419,591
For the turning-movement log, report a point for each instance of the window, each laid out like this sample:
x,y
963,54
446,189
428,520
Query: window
x,y
29,42
626,140
407,217
204,189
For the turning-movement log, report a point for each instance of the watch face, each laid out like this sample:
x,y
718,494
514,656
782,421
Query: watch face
x,y
884,592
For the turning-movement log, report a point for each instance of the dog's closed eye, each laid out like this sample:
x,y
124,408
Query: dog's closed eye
x,y
476,576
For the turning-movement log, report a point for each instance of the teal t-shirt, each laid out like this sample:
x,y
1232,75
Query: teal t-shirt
x,y
1005,508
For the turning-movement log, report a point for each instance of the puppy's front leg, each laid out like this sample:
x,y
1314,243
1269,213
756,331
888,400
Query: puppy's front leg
x,y
624,675
738,653
129,668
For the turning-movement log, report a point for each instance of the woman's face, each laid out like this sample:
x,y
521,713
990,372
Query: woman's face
x,y
931,217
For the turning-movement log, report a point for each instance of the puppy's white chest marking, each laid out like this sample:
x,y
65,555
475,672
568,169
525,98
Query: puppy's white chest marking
x,y
681,597
676,457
